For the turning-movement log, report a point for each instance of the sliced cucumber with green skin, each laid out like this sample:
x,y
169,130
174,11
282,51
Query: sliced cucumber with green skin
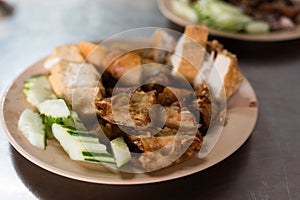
x,y
38,89
121,151
32,127
48,131
53,111
257,27
184,10
109,160
98,157
56,109
224,16
81,150
74,121
80,135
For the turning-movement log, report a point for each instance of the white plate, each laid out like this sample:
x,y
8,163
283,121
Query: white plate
x,y
165,6
241,119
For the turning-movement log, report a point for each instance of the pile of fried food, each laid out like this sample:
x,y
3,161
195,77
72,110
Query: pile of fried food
x,y
280,14
90,73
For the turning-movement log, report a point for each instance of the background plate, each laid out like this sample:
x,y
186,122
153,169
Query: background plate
x,y
166,9
241,119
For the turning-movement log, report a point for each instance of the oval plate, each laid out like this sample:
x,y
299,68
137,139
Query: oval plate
x,y
165,7
241,119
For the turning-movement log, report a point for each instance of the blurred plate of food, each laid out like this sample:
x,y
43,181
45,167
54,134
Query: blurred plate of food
x,y
264,21
62,116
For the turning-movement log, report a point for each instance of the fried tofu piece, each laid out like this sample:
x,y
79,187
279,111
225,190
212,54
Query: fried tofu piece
x,y
189,52
227,66
93,53
162,44
65,76
197,33
77,84
118,64
67,52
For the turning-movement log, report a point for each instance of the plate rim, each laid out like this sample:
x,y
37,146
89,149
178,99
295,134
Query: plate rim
x,y
85,178
164,7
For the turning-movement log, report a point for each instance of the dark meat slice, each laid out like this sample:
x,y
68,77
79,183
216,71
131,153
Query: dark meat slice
x,y
160,152
110,131
170,95
126,109
202,105
180,118
148,144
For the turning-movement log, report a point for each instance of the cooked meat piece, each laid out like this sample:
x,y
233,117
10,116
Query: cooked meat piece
x,y
170,95
127,110
118,115
108,81
149,144
180,118
110,131
160,152
203,106
141,101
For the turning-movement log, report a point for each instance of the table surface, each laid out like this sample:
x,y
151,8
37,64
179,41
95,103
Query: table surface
x,y
267,166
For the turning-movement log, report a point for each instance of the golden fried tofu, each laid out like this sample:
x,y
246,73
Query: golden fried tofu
x,y
67,52
93,53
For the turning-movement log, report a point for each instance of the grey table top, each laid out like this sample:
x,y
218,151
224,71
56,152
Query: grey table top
x,y
267,166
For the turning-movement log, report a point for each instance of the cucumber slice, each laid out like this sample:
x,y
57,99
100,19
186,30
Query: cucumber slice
x,y
53,111
74,121
81,150
256,27
32,127
38,89
56,109
100,159
184,10
121,151
80,135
